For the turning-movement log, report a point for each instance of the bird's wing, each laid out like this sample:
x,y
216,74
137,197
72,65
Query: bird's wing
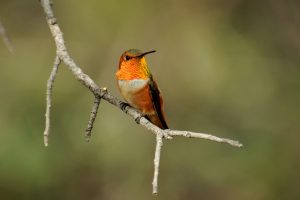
x,y
157,102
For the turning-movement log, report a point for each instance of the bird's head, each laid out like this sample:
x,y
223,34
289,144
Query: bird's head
x,y
133,65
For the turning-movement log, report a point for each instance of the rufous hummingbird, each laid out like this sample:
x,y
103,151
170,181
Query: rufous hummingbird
x,y
138,87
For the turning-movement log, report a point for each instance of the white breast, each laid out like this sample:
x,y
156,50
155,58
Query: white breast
x,y
129,87
132,85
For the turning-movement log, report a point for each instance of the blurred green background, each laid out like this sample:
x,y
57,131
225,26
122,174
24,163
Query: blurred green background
x,y
231,68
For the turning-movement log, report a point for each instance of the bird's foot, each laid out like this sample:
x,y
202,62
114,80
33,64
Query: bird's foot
x,y
123,105
138,119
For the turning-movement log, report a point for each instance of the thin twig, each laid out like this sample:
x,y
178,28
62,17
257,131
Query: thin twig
x,y
6,39
159,144
88,130
48,98
206,136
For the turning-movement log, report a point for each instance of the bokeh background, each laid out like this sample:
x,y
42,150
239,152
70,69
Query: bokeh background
x,y
231,68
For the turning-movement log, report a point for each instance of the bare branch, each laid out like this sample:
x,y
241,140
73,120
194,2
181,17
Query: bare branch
x,y
48,98
62,54
88,130
204,136
6,39
159,144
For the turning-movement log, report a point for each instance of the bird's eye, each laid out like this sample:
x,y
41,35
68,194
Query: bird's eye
x,y
127,57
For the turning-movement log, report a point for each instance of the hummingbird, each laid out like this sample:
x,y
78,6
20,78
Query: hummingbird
x,y
138,88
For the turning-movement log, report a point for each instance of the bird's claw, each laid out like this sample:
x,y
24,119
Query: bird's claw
x,y
123,105
138,119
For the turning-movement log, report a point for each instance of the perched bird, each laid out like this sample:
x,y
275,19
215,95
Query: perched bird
x,y
138,87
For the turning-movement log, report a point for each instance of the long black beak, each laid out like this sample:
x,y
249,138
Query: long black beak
x,y
148,52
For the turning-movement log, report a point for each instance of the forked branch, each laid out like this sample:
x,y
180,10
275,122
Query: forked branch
x,y
101,93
